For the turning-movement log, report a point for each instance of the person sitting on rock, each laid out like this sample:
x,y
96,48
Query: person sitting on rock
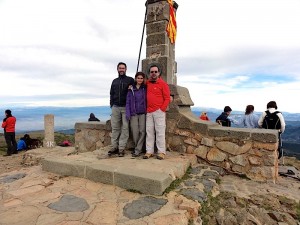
x,y
21,145
204,116
93,117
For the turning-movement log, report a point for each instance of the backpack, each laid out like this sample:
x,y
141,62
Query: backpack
x,y
271,121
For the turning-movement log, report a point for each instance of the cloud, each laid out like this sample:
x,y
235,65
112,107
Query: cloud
x,y
230,52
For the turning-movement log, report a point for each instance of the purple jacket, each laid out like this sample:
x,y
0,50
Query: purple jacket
x,y
136,101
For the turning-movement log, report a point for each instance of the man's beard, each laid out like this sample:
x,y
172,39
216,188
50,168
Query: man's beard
x,y
122,73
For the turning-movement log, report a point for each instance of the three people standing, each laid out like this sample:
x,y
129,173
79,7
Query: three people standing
x,y
9,125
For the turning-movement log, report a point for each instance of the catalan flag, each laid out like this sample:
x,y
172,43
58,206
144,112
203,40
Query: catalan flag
x,y
172,26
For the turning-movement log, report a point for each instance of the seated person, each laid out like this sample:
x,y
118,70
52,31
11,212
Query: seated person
x,y
204,116
21,145
224,118
93,117
65,143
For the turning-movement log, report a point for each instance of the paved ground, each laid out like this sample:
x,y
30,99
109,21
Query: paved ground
x,y
32,196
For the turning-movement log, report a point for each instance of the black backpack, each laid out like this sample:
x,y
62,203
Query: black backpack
x,y
271,121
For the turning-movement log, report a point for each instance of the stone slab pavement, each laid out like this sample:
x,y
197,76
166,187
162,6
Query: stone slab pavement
x,y
148,176
33,196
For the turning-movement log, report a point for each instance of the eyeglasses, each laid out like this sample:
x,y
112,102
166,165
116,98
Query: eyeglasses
x,y
154,71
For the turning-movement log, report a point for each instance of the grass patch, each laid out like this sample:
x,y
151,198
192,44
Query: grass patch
x,y
210,207
298,211
178,181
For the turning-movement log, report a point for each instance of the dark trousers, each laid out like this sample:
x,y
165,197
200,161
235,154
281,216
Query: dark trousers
x,y
10,138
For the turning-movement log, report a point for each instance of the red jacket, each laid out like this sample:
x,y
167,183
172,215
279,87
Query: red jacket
x,y
158,95
9,124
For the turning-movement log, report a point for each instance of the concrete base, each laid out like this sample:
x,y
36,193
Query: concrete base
x,y
148,176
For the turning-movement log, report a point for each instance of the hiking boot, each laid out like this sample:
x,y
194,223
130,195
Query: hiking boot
x,y
160,156
121,153
147,156
114,151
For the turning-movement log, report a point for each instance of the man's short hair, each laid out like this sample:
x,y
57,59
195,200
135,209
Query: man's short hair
x,y
154,65
227,109
122,63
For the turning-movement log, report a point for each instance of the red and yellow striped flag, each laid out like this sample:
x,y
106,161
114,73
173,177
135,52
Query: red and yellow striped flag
x,y
172,26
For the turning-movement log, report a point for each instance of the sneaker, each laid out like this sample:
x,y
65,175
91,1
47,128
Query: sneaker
x,y
114,151
160,156
135,155
121,153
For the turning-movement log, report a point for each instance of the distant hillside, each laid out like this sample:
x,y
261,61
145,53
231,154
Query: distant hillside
x,y
32,119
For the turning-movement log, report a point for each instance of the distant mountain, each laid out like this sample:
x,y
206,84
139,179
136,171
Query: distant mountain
x,y
32,119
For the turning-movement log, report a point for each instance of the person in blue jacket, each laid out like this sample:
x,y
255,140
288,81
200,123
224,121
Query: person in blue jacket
x,y
136,109
21,145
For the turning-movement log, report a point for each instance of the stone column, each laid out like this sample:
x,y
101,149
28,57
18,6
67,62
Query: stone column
x,y
159,49
49,131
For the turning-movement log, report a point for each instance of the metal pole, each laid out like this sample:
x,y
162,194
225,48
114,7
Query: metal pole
x,y
138,63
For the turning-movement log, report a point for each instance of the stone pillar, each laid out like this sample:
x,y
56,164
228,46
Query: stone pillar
x,y
49,131
159,49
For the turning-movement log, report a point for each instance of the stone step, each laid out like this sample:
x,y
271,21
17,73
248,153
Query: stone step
x,y
148,176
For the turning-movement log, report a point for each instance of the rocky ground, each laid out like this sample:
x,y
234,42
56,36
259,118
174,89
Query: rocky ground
x,y
205,195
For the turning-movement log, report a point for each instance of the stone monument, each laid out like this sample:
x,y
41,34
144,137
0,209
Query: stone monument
x,y
250,152
48,142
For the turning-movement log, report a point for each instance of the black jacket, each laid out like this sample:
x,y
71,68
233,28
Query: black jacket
x,y
223,120
119,89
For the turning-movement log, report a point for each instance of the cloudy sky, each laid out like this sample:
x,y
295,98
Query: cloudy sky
x,y
229,52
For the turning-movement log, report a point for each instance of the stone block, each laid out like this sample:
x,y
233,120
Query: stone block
x,y
156,27
100,173
156,39
264,135
236,133
146,182
64,167
157,51
207,142
201,151
157,10
90,125
233,148
181,95
215,155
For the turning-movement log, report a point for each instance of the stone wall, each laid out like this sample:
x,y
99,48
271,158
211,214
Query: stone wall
x,y
250,152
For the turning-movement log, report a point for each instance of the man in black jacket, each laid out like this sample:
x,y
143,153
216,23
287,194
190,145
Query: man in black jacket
x,y
119,123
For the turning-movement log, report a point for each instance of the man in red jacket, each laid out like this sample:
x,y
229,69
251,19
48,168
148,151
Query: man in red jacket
x,y
158,99
9,124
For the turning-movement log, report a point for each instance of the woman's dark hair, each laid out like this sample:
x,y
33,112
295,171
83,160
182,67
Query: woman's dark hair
x,y
122,63
8,112
272,104
140,74
249,109
227,109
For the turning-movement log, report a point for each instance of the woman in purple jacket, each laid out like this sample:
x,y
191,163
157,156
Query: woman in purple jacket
x,y
136,112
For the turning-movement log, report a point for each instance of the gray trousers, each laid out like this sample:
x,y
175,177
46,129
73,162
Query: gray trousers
x,y
156,130
138,129
119,126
